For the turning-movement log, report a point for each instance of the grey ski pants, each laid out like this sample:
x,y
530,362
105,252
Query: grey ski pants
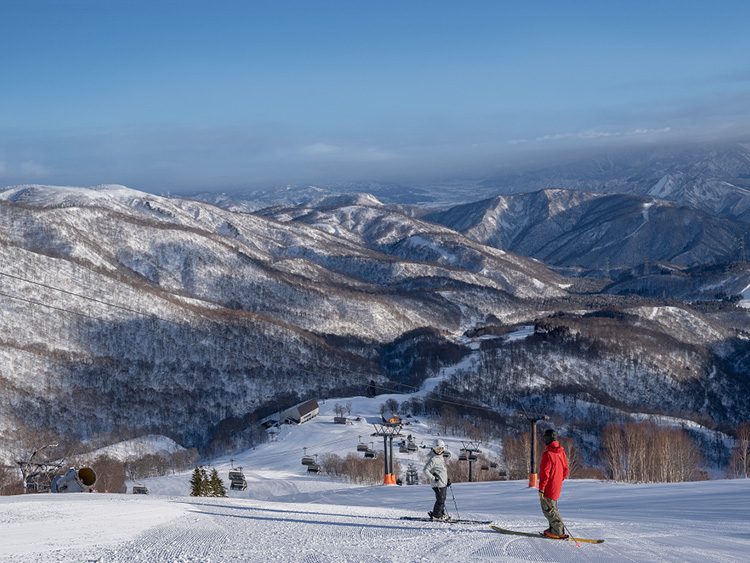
x,y
555,524
440,493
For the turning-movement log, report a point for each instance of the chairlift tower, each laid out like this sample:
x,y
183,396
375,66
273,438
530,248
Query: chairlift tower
x,y
412,476
471,450
533,417
388,431
38,475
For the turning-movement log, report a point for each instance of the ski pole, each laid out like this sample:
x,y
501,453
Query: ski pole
x,y
454,501
570,534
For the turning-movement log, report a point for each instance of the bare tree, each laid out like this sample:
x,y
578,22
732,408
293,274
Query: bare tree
x,y
647,453
110,474
356,469
516,455
10,481
739,461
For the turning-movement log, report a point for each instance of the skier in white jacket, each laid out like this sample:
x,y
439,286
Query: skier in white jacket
x,y
437,475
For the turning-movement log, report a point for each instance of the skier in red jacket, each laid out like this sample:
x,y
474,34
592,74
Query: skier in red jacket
x,y
553,469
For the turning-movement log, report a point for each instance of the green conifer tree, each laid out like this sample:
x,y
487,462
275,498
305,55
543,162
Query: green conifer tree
x,y
216,485
197,482
206,491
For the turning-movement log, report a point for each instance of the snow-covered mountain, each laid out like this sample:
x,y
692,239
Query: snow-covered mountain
x,y
713,177
117,303
127,310
404,237
591,230
710,176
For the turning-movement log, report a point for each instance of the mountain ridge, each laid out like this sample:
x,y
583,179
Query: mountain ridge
x,y
192,321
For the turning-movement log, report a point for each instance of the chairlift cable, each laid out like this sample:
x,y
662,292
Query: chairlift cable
x,y
455,402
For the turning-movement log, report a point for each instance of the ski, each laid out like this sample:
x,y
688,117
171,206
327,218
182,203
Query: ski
x,y
533,535
451,521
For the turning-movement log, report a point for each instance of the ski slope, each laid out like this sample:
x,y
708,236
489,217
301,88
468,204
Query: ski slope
x,y
693,522
287,515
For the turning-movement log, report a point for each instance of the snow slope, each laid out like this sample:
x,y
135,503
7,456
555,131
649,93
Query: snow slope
x,y
287,515
694,522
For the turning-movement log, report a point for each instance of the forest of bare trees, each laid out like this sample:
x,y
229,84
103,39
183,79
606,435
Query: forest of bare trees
x,y
739,461
356,469
643,452
516,453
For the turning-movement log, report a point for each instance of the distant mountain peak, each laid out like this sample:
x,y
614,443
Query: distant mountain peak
x,y
49,196
345,200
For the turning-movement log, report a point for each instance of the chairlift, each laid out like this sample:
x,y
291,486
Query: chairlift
x,y
446,454
237,480
472,457
485,468
314,468
238,485
493,465
139,489
306,459
463,456
403,450
371,454
236,474
362,446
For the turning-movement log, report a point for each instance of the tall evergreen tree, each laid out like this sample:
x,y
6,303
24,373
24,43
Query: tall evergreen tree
x,y
198,482
216,486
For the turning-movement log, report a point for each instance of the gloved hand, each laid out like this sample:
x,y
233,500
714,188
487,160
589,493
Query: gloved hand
x,y
541,494
436,476
449,483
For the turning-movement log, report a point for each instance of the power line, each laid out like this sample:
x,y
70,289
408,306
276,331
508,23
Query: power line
x,y
457,401
67,292
122,325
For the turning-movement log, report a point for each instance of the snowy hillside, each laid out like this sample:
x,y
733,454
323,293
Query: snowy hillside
x,y
287,515
597,231
124,313
713,177
139,301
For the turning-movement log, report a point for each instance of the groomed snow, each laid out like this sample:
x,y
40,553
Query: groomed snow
x,y
693,522
287,515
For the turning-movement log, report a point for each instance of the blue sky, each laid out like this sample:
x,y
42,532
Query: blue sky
x,y
183,96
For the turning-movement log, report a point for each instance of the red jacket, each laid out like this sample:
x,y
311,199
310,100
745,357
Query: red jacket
x,y
553,470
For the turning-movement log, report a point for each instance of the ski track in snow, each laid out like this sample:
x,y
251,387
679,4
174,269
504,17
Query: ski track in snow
x,y
287,515
686,523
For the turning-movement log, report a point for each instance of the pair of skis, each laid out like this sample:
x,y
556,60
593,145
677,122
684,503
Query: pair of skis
x,y
497,529
532,535
450,521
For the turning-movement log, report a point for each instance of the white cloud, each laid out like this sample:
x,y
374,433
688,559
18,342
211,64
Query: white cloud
x,y
592,134
33,169
347,154
318,149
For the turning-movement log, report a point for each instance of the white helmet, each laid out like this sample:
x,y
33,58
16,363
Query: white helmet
x,y
438,446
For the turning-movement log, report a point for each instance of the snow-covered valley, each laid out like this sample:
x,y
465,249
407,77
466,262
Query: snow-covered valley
x,y
288,515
